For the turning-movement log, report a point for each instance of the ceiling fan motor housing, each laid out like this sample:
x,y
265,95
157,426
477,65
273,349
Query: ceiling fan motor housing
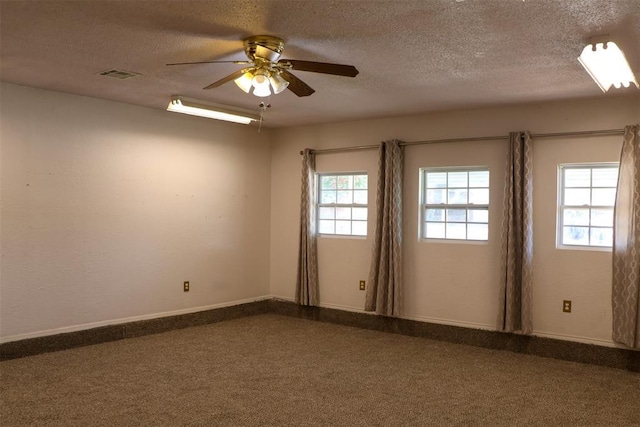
x,y
264,48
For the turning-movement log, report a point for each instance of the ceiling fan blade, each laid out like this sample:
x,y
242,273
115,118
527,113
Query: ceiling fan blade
x,y
296,85
210,62
227,79
322,67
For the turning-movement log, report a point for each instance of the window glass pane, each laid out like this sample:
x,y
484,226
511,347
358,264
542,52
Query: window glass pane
x,y
577,177
575,236
457,197
360,197
327,213
345,182
360,182
348,190
457,179
359,228
436,180
575,217
479,179
605,177
604,196
479,196
435,215
456,191
478,215
577,197
587,224
359,213
602,236
328,182
434,230
602,217
456,215
327,197
343,227
456,231
343,213
478,231
436,197
345,197
326,227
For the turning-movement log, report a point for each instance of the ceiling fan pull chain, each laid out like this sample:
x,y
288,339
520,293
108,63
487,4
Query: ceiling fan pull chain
x,y
263,107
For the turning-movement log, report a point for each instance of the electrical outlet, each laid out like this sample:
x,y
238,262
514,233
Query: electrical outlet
x,y
566,306
362,283
186,286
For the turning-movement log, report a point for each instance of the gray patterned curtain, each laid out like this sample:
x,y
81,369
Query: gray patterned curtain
x,y
626,244
517,238
307,282
385,273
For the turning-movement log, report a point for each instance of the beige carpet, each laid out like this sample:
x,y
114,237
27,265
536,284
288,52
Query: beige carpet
x,y
282,371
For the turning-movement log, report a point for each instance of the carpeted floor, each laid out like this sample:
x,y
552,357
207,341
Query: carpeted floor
x,y
282,371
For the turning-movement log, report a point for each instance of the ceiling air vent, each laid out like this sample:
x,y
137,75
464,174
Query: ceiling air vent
x,y
119,74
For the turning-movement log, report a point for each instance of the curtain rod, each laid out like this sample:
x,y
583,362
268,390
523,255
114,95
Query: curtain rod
x,y
606,132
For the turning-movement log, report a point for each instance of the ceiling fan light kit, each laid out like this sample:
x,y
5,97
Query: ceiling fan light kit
x,y
606,64
180,104
267,74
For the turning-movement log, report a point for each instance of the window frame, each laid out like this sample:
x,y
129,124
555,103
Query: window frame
x,y
319,204
423,205
560,206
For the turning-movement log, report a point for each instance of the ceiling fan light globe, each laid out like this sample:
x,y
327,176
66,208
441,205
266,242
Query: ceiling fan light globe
x,y
278,83
262,90
245,81
260,80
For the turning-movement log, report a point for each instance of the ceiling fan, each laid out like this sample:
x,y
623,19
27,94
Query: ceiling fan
x,y
266,72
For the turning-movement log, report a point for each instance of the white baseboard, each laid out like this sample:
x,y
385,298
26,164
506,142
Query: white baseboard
x,y
92,325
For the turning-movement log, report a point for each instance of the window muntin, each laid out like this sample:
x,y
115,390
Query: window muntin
x,y
342,204
455,203
586,198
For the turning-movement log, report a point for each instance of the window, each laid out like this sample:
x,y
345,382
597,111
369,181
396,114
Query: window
x,y
587,193
342,204
455,203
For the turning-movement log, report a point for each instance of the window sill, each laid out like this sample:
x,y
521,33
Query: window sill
x,y
454,241
584,248
341,236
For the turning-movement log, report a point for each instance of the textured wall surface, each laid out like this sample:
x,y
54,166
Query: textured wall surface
x,y
107,208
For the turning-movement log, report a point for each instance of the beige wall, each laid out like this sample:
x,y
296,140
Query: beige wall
x,y
457,283
107,208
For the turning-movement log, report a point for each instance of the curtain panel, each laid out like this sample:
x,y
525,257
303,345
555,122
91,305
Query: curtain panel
x,y
385,274
626,244
307,281
515,298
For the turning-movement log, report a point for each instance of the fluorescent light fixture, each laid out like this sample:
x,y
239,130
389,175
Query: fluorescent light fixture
x,y
607,65
183,105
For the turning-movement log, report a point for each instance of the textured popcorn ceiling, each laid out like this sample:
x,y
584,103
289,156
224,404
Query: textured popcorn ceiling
x,y
413,56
